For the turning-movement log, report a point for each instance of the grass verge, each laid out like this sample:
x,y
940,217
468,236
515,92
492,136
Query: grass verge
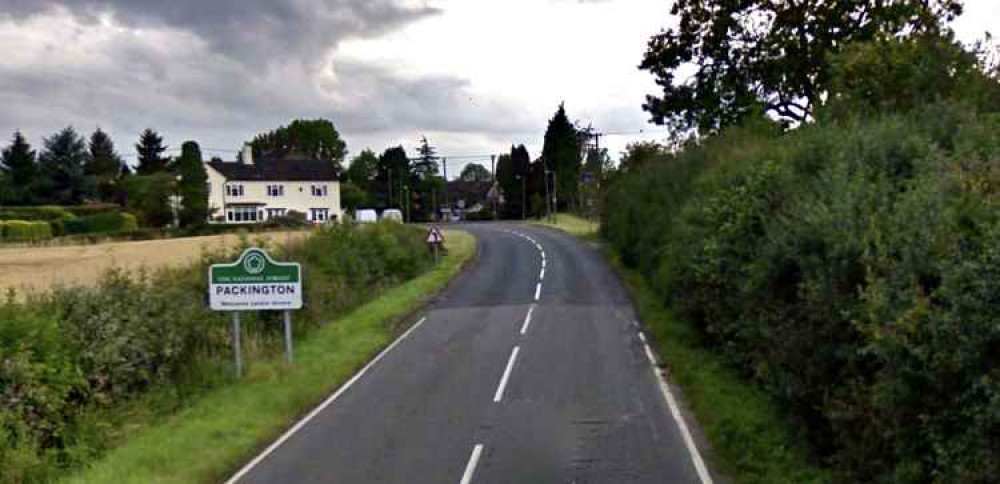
x,y
752,441
209,440
571,224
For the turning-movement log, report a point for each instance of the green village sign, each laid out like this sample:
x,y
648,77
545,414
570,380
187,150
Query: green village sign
x,y
255,282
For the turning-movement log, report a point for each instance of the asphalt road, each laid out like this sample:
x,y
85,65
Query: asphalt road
x,y
479,391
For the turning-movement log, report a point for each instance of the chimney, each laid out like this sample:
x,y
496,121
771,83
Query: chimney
x,y
247,154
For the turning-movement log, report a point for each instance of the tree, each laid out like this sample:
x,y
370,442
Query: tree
x,y
392,176
21,169
363,169
150,149
148,196
103,164
767,56
427,163
61,164
474,172
193,186
317,139
505,180
561,155
352,196
641,154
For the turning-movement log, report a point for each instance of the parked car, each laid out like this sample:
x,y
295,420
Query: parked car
x,y
393,215
365,216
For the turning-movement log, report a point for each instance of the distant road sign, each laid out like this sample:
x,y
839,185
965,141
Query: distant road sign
x,y
255,282
434,235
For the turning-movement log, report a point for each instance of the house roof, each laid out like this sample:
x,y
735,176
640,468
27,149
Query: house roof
x,y
277,169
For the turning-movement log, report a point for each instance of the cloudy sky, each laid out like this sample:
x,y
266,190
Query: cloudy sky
x,y
473,76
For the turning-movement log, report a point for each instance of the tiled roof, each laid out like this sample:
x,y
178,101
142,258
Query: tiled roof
x,y
275,169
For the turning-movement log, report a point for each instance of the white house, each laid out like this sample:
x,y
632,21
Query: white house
x,y
252,191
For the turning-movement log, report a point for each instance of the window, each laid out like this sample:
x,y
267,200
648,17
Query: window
x,y
234,190
319,214
319,190
208,189
276,212
275,190
242,214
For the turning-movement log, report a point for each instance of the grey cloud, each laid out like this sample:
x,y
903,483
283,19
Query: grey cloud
x,y
252,31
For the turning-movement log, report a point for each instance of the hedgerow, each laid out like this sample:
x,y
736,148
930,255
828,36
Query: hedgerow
x,y
73,359
851,268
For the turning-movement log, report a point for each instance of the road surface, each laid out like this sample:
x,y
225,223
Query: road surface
x,y
529,369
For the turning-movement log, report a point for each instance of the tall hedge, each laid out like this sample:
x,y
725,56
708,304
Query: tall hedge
x,y
850,268
25,231
101,223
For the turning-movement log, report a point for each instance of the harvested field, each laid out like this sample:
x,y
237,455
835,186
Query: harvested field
x,y
39,268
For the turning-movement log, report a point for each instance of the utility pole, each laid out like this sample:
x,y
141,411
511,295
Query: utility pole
x,y
447,201
493,171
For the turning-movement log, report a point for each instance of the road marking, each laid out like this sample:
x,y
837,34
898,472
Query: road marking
x,y
506,375
470,468
699,463
326,403
538,291
527,320
541,276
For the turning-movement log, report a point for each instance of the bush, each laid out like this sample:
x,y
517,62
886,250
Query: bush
x,y
32,214
849,268
25,231
102,223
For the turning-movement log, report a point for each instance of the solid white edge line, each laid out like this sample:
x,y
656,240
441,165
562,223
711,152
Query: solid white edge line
x,y
538,291
506,375
470,468
542,274
527,320
326,403
699,463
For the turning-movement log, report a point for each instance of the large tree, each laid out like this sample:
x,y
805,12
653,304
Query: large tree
x,y
393,176
193,186
766,55
19,165
150,149
363,170
103,164
513,175
474,172
61,164
561,155
317,139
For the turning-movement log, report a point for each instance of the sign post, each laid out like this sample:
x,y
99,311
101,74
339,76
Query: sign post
x,y
434,240
255,282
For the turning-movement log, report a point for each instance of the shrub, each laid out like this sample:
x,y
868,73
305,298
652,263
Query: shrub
x,y
33,214
102,223
25,231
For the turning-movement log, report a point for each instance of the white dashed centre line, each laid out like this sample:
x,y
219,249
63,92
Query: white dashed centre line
x,y
527,320
538,291
506,375
470,468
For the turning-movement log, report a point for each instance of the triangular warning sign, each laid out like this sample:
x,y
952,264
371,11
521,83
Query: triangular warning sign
x,y
434,235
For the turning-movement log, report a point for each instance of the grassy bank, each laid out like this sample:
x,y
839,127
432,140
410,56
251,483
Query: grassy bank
x,y
209,440
571,224
751,440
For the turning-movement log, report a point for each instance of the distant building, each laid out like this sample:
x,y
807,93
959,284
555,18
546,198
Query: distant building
x,y
253,191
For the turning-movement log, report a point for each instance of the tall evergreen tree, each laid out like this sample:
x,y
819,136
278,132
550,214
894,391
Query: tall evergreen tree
x,y
150,149
19,164
61,164
426,164
561,155
193,185
103,164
